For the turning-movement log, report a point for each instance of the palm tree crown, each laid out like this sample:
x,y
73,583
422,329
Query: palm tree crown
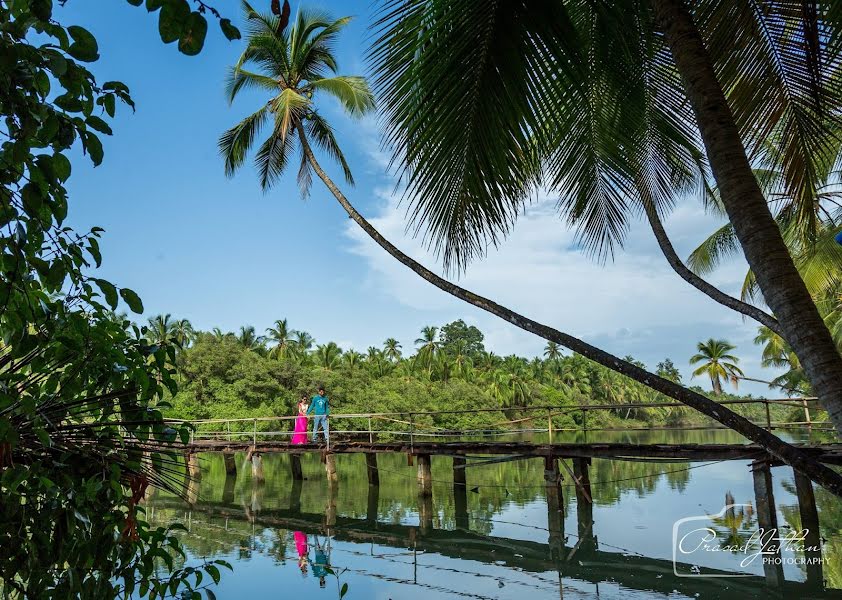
x,y
293,66
718,364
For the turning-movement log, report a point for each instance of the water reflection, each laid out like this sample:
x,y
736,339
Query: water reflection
x,y
503,533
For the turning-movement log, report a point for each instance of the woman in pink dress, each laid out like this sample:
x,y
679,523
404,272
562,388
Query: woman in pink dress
x,y
300,433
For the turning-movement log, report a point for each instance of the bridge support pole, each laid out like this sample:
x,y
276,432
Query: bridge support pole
x,y
295,495
425,476
230,463
330,509
584,502
295,465
373,504
810,530
371,468
460,493
228,489
555,503
767,521
257,468
425,512
194,471
330,467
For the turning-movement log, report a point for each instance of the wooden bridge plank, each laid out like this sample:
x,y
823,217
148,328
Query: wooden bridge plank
x,y
828,453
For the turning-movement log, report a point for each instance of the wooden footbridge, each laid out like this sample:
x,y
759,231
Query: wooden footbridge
x,y
411,434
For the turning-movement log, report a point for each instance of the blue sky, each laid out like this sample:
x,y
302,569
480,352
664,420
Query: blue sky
x,y
222,253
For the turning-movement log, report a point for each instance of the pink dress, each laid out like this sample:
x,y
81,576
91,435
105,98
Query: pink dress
x,y
300,432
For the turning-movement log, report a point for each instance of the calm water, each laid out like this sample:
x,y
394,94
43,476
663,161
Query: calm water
x,y
386,543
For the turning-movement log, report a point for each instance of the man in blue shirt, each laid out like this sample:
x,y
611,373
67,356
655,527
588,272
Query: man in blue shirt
x,y
320,410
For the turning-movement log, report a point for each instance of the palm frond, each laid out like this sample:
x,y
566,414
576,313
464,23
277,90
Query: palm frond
x,y
462,85
273,157
712,252
353,92
235,143
239,79
322,133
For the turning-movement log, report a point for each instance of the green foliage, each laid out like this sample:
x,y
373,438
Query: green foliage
x,y
81,429
459,338
222,378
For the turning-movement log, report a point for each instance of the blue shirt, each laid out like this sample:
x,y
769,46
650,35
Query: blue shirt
x,y
318,406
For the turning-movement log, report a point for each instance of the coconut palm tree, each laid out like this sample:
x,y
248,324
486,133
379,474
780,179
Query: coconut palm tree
x,y
552,351
281,337
351,359
294,68
328,355
718,364
249,339
392,348
183,333
160,329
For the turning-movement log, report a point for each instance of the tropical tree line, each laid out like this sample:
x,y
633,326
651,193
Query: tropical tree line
x,y
245,374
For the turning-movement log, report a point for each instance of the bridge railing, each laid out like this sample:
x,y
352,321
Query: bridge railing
x,y
427,425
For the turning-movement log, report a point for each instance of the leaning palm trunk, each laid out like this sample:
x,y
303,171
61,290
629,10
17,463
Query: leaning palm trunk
x,y
760,238
697,282
781,450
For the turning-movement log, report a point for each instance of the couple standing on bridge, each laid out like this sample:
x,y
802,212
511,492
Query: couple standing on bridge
x,y
319,407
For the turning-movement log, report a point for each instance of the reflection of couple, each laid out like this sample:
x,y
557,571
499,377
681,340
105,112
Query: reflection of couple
x,y
320,409
321,562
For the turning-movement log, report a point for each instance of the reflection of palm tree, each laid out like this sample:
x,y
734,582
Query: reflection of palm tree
x,y
718,364
735,525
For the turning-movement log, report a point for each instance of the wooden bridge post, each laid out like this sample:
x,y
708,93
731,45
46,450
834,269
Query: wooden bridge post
x,y
584,501
295,495
371,468
460,493
230,463
768,416
194,471
330,467
257,468
425,512
425,476
810,530
295,466
330,509
767,520
555,500
373,505
228,489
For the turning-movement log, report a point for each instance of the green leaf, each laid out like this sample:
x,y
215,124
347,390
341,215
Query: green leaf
x,y
193,36
344,590
172,20
93,146
210,594
136,3
132,299
109,103
84,46
230,32
109,291
213,572
93,249
61,166
68,102
153,5
98,124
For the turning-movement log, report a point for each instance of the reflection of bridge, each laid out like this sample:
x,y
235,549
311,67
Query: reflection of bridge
x,y
582,560
409,433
